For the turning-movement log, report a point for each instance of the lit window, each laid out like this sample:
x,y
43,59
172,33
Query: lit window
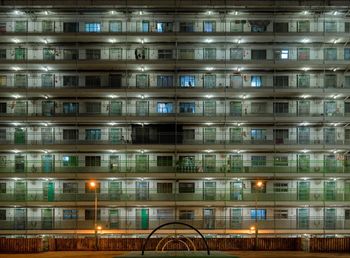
x,y
164,107
285,54
187,81
256,81
93,27
259,214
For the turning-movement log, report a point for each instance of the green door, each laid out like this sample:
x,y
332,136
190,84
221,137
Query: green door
x,y
209,108
235,108
116,108
46,218
20,136
303,163
20,191
20,163
236,191
209,191
115,190
303,191
236,135
142,163
142,218
236,163
347,191
47,135
142,108
209,81
330,218
209,135
20,217
142,190
209,163
49,191
330,163
48,108
330,191
236,218
303,135
142,81
48,163
209,218
329,136
114,219
114,163
20,53
303,218
115,135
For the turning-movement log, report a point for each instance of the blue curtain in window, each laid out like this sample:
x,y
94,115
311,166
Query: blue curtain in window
x,y
256,81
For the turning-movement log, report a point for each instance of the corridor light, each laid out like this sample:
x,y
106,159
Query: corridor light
x,y
112,12
142,96
112,96
305,151
16,96
46,12
92,184
208,40
209,68
112,41
305,12
140,12
15,151
305,69
45,41
209,12
16,41
142,41
239,41
335,13
112,123
208,96
16,68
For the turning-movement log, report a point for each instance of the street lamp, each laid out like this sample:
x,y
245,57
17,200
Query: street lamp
x,y
257,187
93,185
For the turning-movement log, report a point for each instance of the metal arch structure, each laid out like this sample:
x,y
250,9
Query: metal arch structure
x,y
174,223
168,236
172,240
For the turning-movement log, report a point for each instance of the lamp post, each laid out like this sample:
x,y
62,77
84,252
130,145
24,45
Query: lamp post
x,y
93,185
258,186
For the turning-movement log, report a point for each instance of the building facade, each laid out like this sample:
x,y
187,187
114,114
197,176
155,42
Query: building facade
x,y
232,116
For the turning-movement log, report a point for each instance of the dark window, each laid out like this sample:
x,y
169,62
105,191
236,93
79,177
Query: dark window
x,y
186,27
92,161
186,214
70,108
347,214
164,161
70,54
70,134
3,107
2,26
258,54
70,187
165,80
258,161
70,27
281,107
93,54
164,187
93,107
165,53
90,214
281,81
70,80
93,81
280,26
2,187
186,187
2,214
2,53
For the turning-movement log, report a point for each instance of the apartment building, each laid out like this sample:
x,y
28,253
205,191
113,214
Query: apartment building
x,y
231,116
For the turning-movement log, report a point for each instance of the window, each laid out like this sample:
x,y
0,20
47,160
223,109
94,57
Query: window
x,y
186,187
70,80
142,81
281,81
92,27
303,53
70,107
281,54
20,26
186,26
330,26
70,214
209,26
165,54
141,53
258,25
186,214
3,53
2,26
303,26
255,188
281,214
115,26
236,53
70,161
280,161
49,54
3,107
93,134
145,26
237,25
3,80
2,214
92,161
258,107
20,53
258,134
209,53
281,26
330,81
48,26
165,81
90,214
303,80
187,107
258,161
187,81
93,54
70,54
258,214
165,214
164,107
93,81
347,214
209,81
280,187
186,53
346,53
70,134
3,137
164,161
256,81
347,27
258,54
164,27
21,80
70,27
70,187
89,189
347,81
2,187
330,54
164,188
281,107
347,107
115,53
93,107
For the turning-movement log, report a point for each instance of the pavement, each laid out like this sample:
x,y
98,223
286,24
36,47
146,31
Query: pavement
x,y
114,254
